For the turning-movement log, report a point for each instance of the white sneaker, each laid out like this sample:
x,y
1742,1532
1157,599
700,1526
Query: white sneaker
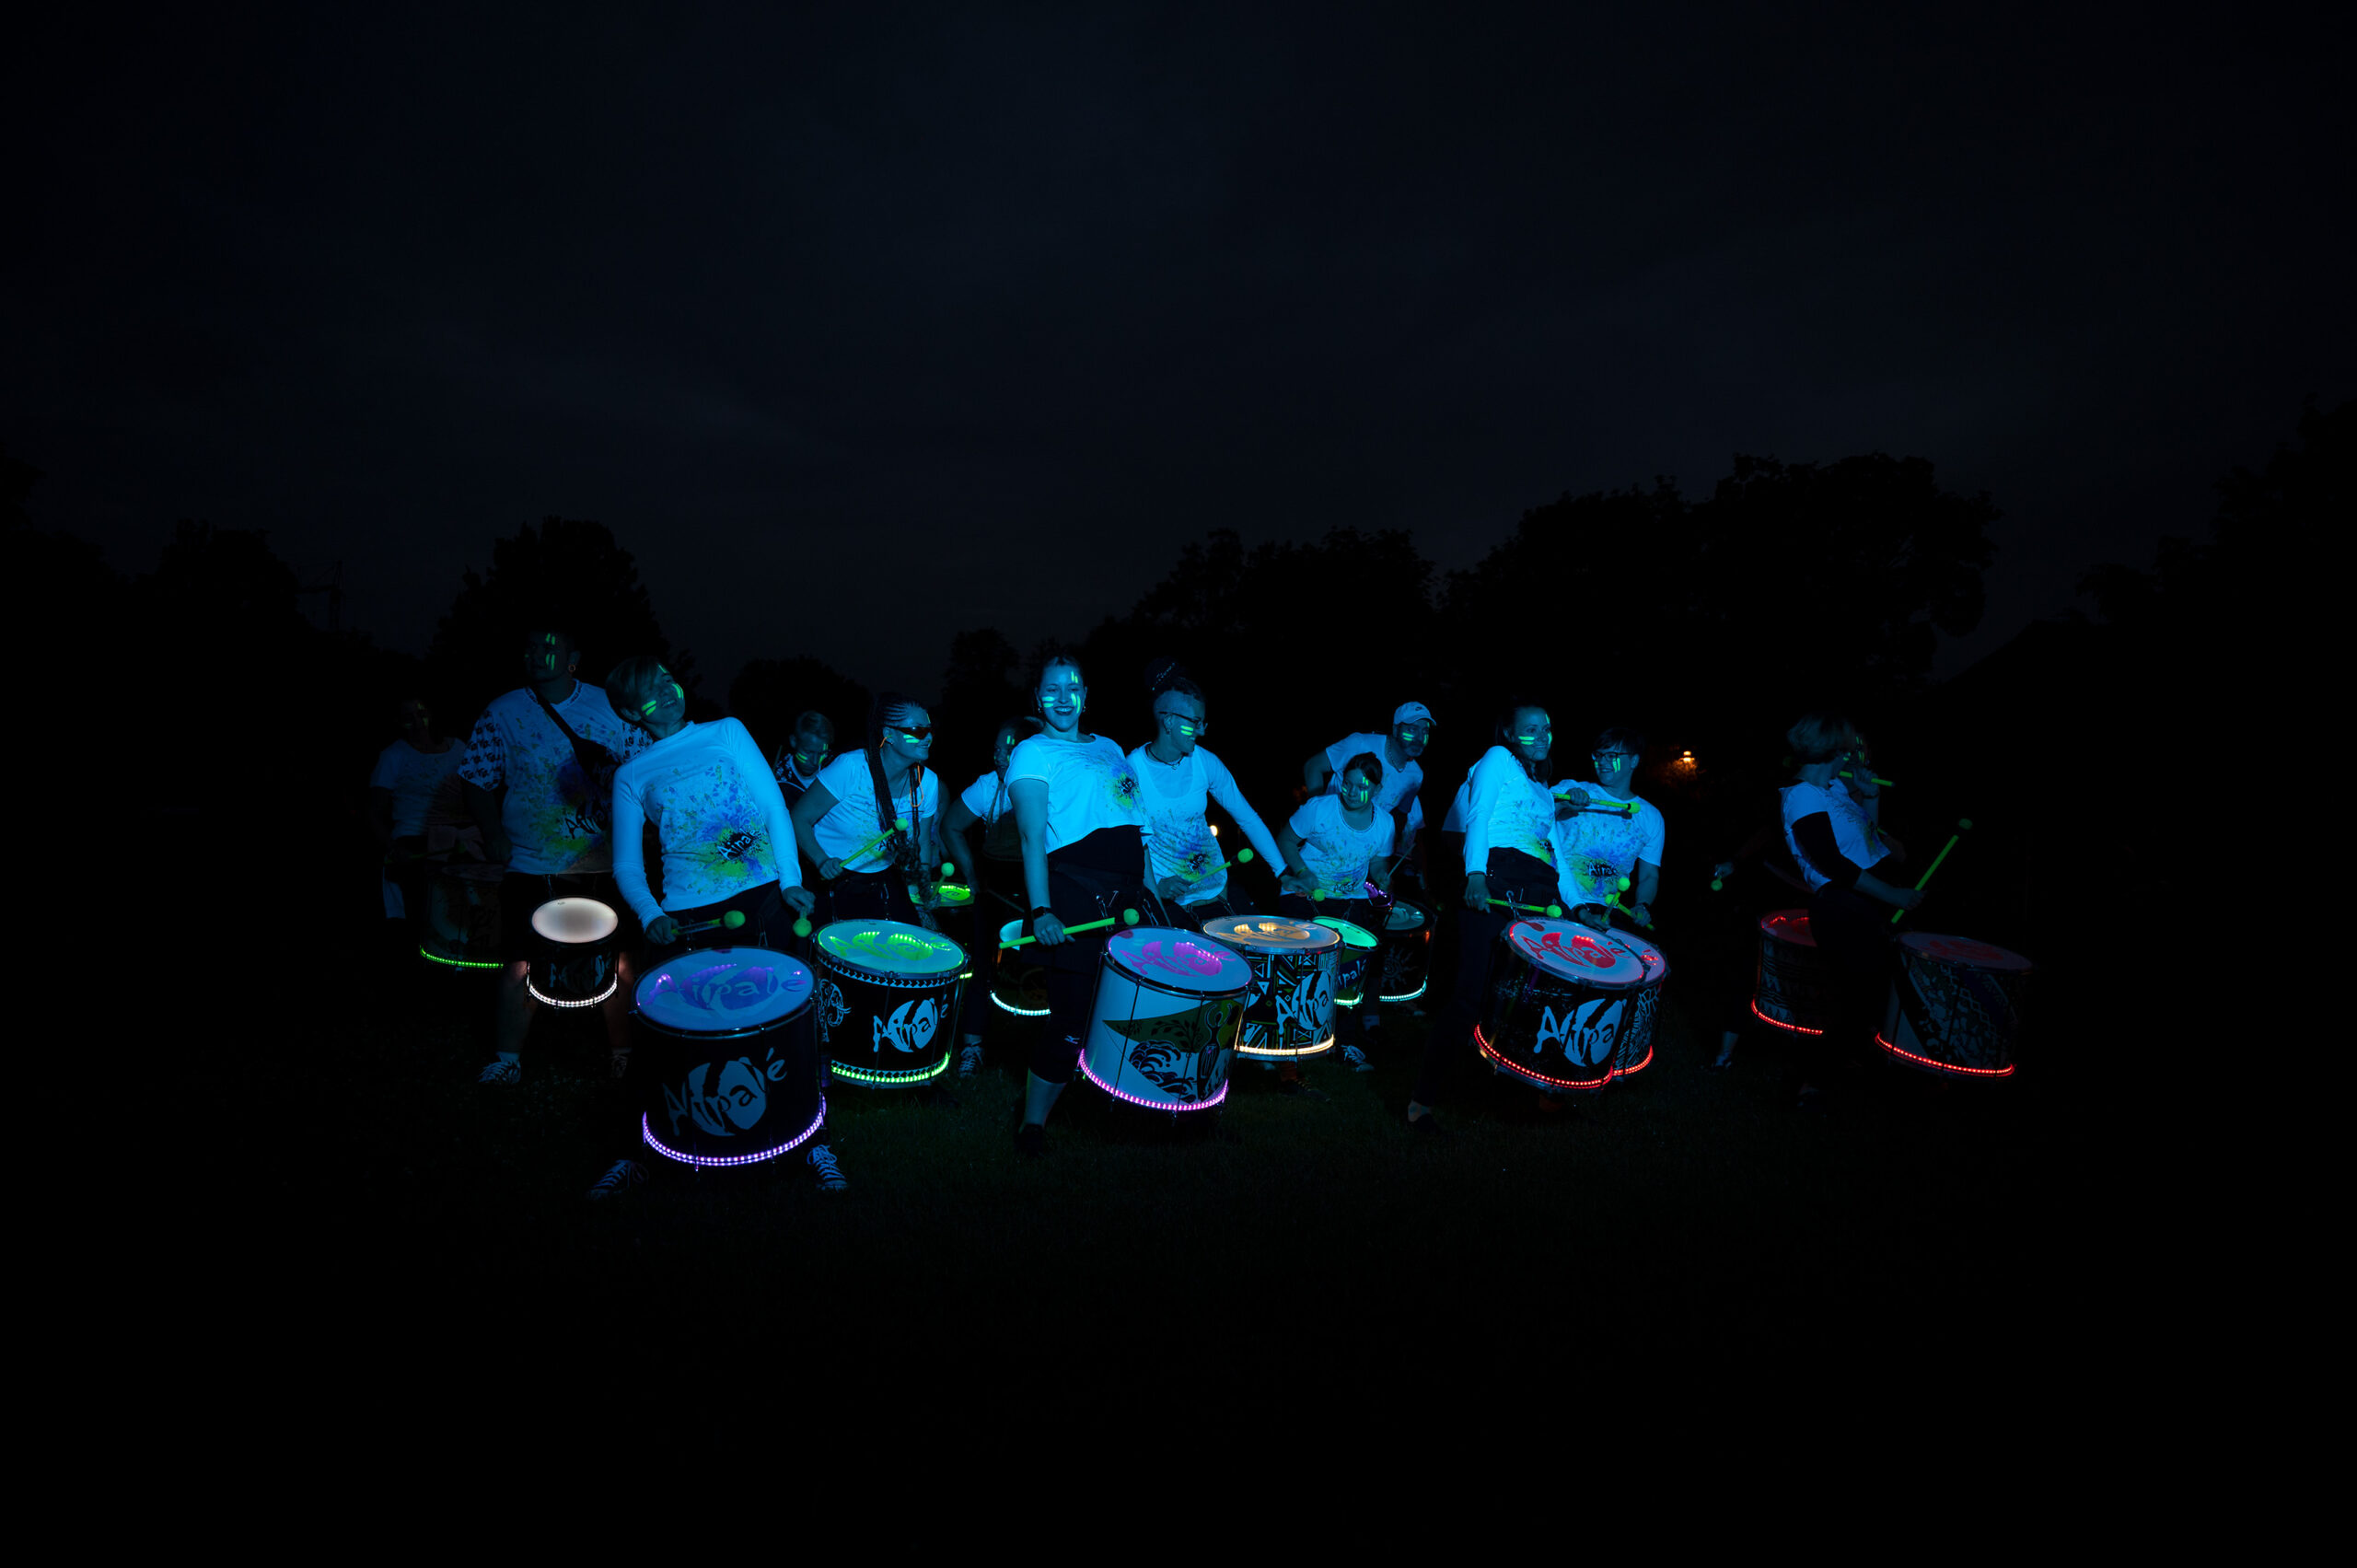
x,y
824,1166
623,1176
501,1072
969,1061
1357,1059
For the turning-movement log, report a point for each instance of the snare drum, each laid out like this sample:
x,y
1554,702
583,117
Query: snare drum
x,y
1796,984
1955,1006
887,1001
1292,982
1562,1000
1170,1006
1405,958
1636,1050
728,1049
574,966
462,915
1351,966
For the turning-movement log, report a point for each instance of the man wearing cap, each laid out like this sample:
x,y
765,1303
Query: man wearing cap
x,y
1412,729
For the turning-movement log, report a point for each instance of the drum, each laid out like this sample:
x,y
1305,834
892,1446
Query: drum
x,y
1292,982
1352,964
1955,1006
1797,982
1405,957
574,966
954,896
462,915
729,1052
887,1001
1170,1006
1019,984
1562,1000
1636,1050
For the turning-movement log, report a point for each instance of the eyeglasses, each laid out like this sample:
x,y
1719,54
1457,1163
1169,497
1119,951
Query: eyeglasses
x,y
1609,761
921,732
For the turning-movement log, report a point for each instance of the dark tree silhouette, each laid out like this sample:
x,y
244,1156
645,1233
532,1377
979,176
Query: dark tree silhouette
x,y
978,690
768,693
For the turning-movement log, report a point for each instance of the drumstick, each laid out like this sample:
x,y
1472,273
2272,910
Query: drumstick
x,y
1878,783
897,825
1552,912
728,921
1129,917
1241,855
1963,826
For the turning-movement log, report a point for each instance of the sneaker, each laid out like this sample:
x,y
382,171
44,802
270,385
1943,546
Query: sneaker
x,y
1031,1141
620,1062
1296,1088
969,1061
620,1178
1357,1059
825,1169
502,1072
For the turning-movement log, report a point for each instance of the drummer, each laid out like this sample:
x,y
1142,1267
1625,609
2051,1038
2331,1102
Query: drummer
x,y
722,825
1606,834
807,746
1830,827
1509,859
1335,848
847,823
1179,776
986,803
1403,774
1081,815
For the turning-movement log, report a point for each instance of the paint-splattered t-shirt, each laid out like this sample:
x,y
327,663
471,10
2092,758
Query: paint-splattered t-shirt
x,y
1334,852
1853,833
1594,850
717,811
1090,786
1400,783
1505,808
548,815
852,822
425,785
1178,836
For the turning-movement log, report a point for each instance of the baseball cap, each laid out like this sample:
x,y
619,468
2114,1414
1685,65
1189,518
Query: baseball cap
x,y
1413,711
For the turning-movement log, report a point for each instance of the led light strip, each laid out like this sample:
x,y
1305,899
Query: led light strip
x,y
873,1075
1152,1104
1019,1011
1540,1077
537,995
2004,1072
1263,1050
646,1130
1779,1023
1411,995
455,963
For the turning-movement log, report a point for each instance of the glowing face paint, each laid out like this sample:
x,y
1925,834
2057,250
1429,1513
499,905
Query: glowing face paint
x,y
1355,791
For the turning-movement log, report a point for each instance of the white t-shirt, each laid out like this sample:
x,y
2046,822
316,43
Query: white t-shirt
x,y
425,785
1505,808
1178,840
551,819
717,810
988,797
1853,835
1594,850
850,822
1399,783
1090,785
1334,852
1454,822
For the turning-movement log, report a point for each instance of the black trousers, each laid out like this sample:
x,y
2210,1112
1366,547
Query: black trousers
x,y
1078,895
1518,879
1853,933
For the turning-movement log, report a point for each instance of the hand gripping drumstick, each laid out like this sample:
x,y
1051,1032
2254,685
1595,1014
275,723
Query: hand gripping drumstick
x,y
1878,783
1241,855
1963,826
1129,917
1552,912
899,824
734,919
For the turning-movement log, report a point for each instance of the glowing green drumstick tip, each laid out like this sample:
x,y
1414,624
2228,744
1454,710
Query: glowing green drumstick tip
x,y
733,919
1965,823
1622,882
1716,884
950,869
1242,855
801,926
1554,912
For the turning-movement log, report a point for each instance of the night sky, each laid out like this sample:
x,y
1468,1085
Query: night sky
x,y
862,330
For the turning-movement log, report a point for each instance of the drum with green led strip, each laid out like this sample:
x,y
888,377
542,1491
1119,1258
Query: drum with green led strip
x,y
887,1001
1352,964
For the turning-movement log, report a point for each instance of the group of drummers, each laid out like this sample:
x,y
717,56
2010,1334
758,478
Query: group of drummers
x,y
652,867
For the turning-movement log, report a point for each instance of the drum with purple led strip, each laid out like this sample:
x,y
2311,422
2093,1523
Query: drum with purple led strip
x,y
1955,1006
1795,983
1169,1004
729,1052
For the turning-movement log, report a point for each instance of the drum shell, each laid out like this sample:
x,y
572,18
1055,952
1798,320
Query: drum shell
x,y
1292,1010
1019,984
1561,1032
1952,1016
729,1096
886,1032
1404,958
1795,983
1183,1067
1636,1050
462,913
1352,967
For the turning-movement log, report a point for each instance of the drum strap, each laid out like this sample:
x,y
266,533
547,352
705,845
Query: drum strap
x,y
598,764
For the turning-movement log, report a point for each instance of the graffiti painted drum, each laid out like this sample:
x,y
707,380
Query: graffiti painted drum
x,y
1352,965
573,965
462,915
1404,961
1292,981
1796,984
1019,982
887,1001
729,1050
1562,998
1169,1007
1636,1050
1955,1006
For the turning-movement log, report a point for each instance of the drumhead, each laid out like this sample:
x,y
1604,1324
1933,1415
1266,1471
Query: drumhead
x,y
723,990
1964,952
1566,947
1179,960
1356,936
1788,925
1271,934
1403,917
575,921
1647,952
956,895
889,950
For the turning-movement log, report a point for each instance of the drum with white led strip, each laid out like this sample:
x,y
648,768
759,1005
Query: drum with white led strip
x,y
730,1054
1292,962
887,1001
1169,1004
1955,1006
575,943
1563,999
1403,961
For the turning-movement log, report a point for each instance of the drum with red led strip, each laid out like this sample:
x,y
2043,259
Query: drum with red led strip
x,y
1795,983
1636,1050
1955,1006
1563,1000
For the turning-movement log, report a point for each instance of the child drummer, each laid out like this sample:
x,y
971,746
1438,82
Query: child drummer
x,y
1607,836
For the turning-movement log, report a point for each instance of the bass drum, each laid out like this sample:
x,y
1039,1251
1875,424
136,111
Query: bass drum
x,y
462,915
1292,962
1563,999
887,1001
1170,1006
1356,959
1796,984
729,1055
1955,1006
1404,961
